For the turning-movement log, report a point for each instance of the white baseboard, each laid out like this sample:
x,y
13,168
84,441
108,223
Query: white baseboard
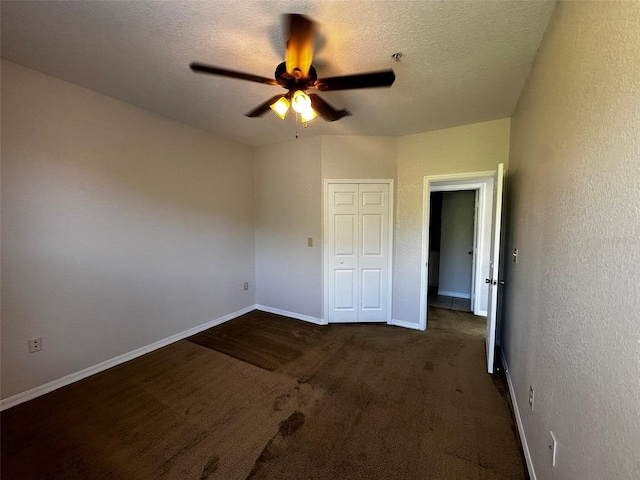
x,y
482,313
297,316
87,372
402,323
516,411
446,293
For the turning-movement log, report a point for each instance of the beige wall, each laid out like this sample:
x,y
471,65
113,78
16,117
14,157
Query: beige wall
x,y
119,228
289,186
289,196
572,327
357,157
470,148
288,212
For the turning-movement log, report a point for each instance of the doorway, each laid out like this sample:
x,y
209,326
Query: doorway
x,y
483,184
452,249
488,227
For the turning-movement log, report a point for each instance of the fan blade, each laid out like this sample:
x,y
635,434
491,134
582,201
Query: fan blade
x,y
299,51
202,68
326,111
263,107
384,78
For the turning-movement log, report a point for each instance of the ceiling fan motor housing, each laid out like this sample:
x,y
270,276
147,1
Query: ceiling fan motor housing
x,y
288,81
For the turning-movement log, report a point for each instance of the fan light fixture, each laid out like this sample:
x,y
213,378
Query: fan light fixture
x,y
308,115
281,107
300,102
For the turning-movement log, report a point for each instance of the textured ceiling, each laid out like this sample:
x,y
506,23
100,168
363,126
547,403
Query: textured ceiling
x,y
462,61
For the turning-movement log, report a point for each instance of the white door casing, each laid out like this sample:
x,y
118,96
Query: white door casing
x,y
483,183
358,251
494,267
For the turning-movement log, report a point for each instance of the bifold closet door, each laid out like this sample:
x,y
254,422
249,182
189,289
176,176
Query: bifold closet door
x,y
358,246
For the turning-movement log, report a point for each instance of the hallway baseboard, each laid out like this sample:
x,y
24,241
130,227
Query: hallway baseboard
x,y
446,293
516,411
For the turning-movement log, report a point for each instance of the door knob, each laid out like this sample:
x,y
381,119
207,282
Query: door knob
x,y
341,261
501,282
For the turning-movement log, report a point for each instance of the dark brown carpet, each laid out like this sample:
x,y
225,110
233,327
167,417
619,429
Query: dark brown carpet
x,y
267,397
264,340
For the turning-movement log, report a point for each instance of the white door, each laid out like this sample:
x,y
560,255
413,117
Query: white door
x,y
358,246
494,267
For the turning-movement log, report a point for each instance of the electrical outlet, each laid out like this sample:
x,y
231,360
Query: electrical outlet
x,y
310,242
530,397
35,345
246,285
553,446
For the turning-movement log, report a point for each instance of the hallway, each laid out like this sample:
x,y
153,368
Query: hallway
x,y
450,303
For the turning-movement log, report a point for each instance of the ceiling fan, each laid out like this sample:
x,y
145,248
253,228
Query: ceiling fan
x,y
297,75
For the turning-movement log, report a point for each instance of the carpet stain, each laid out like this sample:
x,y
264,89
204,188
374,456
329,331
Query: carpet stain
x,y
210,467
287,428
458,390
280,402
428,366
291,424
268,452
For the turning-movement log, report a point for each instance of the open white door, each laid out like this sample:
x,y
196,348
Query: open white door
x,y
494,267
